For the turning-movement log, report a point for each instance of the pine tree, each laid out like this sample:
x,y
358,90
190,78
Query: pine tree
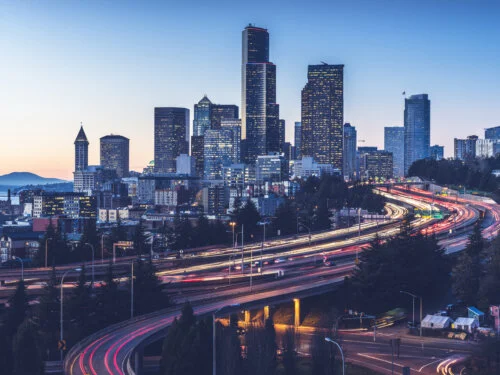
x,y
148,295
47,314
140,240
17,310
26,349
289,353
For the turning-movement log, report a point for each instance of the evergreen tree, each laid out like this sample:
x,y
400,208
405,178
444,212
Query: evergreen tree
x,y
140,240
248,216
89,236
148,295
286,219
261,349
466,274
26,350
490,280
47,315
319,355
202,234
6,360
17,310
112,302
80,307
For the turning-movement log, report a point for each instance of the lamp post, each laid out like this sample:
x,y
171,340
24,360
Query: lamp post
x,y
132,290
327,339
214,315
263,224
61,330
413,297
233,224
46,250
93,254
22,266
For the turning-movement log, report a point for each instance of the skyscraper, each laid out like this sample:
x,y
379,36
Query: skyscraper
x,y
417,117
220,112
350,142
259,111
298,139
465,149
218,152
281,134
171,137
394,141
197,154
323,114
81,151
492,133
201,121
235,127
115,154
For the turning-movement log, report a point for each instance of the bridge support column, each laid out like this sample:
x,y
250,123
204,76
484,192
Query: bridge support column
x,y
266,313
247,317
296,315
138,359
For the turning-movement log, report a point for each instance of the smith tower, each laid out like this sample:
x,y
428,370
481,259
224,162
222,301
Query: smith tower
x,y
259,111
323,114
81,151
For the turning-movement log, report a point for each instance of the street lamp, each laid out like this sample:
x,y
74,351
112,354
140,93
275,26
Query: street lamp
x,y
22,266
92,247
413,298
327,339
263,224
214,314
233,224
62,304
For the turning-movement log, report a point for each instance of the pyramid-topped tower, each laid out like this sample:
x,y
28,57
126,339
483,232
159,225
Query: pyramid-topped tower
x,y
81,151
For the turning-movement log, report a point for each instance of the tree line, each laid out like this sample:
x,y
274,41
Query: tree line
x,y
187,349
29,333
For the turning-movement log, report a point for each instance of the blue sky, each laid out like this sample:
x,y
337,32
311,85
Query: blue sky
x,y
109,63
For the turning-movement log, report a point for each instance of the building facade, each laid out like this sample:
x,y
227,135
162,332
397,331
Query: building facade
x,y
115,154
171,137
235,126
437,152
376,165
492,133
297,139
465,149
350,143
81,151
218,152
259,111
201,120
394,142
417,121
323,114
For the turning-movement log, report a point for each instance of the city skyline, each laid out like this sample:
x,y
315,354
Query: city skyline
x,y
112,80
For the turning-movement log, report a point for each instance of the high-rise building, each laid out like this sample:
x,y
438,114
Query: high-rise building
x,y
375,164
437,152
171,137
298,139
492,133
350,142
115,154
259,111
202,120
197,154
218,152
465,149
281,134
417,118
221,112
323,114
235,127
81,151
486,148
271,168
394,142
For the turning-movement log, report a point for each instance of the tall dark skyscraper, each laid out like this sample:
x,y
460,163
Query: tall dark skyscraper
x,y
115,154
323,114
417,129
298,139
350,143
81,151
171,137
259,111
281,132
394,141
197,147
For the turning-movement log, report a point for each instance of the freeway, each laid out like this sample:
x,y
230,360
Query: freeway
x,y
109,351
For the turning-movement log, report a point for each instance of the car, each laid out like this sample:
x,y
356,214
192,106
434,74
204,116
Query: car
x,y
279,260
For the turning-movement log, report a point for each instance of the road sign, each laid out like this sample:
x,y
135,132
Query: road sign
x,y
61,345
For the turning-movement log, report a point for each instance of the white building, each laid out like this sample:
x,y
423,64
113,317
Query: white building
x,y
166,197
307,167
485,148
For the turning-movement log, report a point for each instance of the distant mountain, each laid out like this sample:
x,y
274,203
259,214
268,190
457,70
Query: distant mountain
x,y
26,178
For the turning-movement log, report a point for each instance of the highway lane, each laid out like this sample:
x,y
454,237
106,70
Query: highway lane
x,y
109,352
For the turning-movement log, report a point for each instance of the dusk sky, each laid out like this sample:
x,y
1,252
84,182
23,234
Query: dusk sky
x,y
109,63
